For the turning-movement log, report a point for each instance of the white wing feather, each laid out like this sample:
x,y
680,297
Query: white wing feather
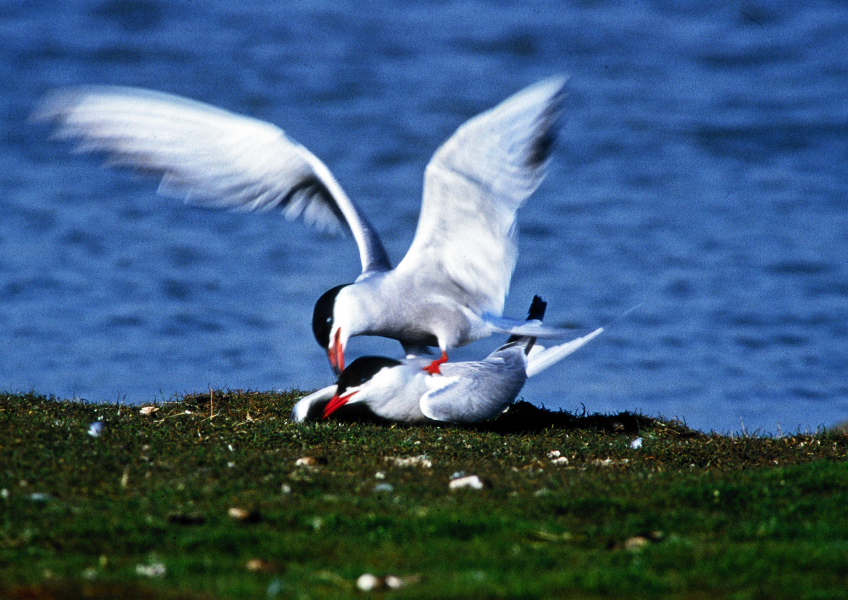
x,y
210,157
474,184
542,358
475,391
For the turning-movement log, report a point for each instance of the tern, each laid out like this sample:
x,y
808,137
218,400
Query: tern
x,y
465,392
450,287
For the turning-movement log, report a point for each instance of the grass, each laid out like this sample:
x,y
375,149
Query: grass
x,y
219,496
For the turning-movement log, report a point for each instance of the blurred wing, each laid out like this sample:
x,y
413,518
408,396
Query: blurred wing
x,y
312,405
473,186
542,358
210,157
471,392
515,327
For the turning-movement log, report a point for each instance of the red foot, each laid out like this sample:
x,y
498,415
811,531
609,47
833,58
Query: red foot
x,y
434,368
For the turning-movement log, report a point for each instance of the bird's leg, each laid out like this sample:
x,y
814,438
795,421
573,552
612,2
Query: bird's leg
x,y
434,368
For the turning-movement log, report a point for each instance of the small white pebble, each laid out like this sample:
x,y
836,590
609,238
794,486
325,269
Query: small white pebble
x,y
379,475
95,429
368,582
470,481
562,460
154,570
636,543
238,513
554,454
259,565
636,444
393,582
274,588
411,461
384,487
149,410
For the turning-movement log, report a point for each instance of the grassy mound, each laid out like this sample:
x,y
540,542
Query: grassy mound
x,y
218,495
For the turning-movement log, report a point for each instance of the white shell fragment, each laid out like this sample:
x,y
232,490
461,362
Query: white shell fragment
x,y
310,461
470,481
368,582
411,461
244,515
151,570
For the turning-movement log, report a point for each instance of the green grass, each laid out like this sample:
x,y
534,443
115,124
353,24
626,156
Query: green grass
x,y
687,516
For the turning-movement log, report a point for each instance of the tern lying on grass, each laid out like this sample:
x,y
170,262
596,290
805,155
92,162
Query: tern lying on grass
x,y
450,287
465,392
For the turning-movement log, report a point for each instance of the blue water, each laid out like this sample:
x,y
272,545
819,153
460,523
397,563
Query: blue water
x,y
702,174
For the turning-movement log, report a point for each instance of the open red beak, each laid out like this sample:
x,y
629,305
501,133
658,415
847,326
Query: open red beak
x,y
336,353
336,403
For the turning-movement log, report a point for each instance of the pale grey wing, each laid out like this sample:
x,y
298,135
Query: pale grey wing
x,y
470,392
474,184
541,358
311,406
210,157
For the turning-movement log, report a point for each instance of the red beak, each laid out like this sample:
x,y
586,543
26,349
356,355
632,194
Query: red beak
x,y
336,353
336,403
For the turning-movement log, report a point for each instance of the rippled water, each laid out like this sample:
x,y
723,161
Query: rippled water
x,y
701,173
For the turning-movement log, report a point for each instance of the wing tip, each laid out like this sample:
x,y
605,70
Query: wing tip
x,y
553,91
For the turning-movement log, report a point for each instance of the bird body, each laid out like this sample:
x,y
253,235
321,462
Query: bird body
x,y
407,308
464,392
451,285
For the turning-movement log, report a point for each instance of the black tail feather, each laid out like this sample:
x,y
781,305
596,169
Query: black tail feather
x,y
535,313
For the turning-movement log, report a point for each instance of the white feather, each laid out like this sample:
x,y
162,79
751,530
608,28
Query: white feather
x,y
209,157
541,358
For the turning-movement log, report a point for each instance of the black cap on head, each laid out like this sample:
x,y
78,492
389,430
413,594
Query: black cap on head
x,y
322,315
361,370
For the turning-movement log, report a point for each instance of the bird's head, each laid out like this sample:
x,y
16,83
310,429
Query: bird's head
x,y
329,332
363,381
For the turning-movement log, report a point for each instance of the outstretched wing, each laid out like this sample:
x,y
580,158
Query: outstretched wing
x,y
210,157
474,184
